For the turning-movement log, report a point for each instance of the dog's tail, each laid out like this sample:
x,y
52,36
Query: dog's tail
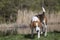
x,y
43,10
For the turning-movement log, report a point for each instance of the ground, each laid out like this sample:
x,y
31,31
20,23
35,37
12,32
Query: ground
x,y
50,36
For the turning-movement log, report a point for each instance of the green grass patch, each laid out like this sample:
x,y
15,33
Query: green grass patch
x,y
50,36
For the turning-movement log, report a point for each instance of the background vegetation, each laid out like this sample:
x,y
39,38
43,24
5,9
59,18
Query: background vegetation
x,y
9,8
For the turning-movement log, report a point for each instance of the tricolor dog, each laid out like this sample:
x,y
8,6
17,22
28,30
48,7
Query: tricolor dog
x,y
39,22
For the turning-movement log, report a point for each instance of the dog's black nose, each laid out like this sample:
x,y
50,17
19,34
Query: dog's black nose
x,y
37,30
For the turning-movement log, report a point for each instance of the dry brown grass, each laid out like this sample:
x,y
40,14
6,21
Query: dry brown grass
x,y
23,21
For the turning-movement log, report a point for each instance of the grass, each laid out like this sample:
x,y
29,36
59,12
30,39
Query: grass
x,y
50,36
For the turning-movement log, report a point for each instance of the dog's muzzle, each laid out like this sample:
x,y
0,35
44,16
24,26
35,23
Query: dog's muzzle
x,y
37,29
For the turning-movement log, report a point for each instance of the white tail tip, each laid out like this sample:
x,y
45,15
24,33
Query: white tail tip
x,y
43,9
